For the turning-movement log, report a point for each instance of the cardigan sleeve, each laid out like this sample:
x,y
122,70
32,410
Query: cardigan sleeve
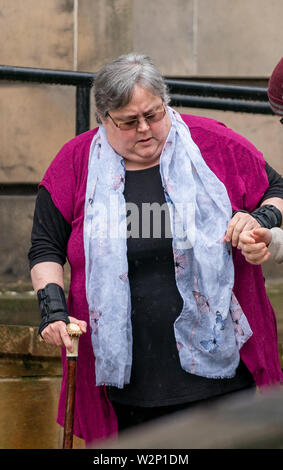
x,y
60,182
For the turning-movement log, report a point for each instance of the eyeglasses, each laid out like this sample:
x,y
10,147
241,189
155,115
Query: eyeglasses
x,y
134,123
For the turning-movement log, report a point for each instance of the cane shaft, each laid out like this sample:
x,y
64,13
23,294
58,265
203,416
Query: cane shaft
x,y
70,403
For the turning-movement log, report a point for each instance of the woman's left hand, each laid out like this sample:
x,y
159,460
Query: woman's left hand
x,y
238,224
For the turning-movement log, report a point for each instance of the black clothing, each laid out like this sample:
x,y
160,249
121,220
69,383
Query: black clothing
x,y
129,416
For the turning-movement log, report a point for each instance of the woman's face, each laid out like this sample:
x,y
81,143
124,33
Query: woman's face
x,y
140,147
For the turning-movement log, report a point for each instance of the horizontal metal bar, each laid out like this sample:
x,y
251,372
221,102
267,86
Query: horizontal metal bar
x,y
224,104
194,94
216,89
18,189
62,77
66,77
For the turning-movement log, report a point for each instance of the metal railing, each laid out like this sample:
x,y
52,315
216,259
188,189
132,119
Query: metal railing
x,y
186,93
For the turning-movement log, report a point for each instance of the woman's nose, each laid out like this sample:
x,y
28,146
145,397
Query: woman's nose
x,y
142,125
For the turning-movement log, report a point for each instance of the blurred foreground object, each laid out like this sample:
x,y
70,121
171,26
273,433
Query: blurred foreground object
x,y
252,422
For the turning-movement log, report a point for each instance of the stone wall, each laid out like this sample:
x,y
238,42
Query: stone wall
x,y
216,38
198,39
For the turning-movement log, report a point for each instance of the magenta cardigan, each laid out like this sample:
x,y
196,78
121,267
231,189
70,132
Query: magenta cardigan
x,y
241,167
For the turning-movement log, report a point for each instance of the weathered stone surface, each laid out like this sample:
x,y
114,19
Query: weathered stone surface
x,y
16,339
42,349
105,31
19,309
37,33
238,39
165,31
28,410
16,214
35,122
20,340
27,366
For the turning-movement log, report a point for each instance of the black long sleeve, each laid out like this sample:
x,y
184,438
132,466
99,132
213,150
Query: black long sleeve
x,y
50,232
275,184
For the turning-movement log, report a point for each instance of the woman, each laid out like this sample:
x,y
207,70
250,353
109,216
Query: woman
x,y
165,329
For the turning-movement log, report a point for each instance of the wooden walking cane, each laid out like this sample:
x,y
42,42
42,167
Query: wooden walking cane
x,y
74,331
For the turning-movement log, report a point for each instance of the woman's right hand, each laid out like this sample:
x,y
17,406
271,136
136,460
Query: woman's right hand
x,y
56,333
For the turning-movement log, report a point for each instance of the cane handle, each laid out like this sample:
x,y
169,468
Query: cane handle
x,y
74,332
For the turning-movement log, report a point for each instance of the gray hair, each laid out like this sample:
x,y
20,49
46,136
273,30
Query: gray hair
x,y
115,82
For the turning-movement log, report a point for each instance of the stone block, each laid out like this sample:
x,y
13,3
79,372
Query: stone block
x,y
165,31
19,308
42,349
16,214
238,39
16,339
35,122
37,33
27,366
28,410
105,31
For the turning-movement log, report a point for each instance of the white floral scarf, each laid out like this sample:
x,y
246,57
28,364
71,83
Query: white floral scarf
x,y
211,327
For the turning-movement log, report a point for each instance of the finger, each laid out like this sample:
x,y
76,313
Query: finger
x,y
237,230
65,338
258,259
255,255
262,234
252,248
230,228
51,334
246,224
56,333
251,225
246,238
82,324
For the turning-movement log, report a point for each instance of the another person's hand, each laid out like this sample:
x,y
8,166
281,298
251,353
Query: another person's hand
x,y
253,245
56,333
238,224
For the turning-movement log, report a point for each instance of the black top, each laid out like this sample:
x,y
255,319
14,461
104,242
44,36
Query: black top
x,y
157,378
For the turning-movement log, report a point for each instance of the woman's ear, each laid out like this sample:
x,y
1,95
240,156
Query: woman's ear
x,y
98,117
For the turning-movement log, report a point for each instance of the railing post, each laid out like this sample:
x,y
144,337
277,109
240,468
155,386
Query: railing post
x,y
82,109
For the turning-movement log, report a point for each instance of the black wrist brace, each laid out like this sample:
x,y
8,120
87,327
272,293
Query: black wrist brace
x,y
52,305
267,216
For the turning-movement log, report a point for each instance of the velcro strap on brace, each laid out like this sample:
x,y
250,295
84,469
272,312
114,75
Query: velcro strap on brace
x,y
52,305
